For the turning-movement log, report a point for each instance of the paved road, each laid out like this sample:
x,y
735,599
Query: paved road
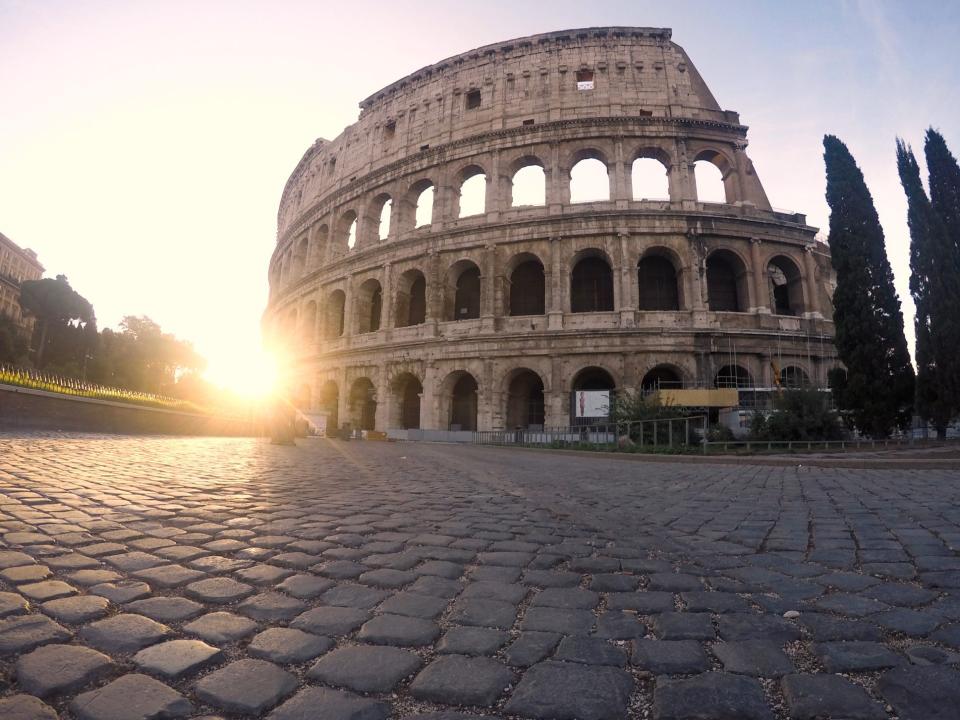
x,y
152,577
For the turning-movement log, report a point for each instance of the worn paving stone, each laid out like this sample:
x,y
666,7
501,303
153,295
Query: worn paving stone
x,y
855,655
78,609
219,590
123,633
647,603
47,590
12,604
246,686
330,620
288,645
55,669
683,626
590,651
759,658
483,612
741,626
414,605
354,596
26,707
718,696
531,647
25,574
922,693
571,692
271,607
569,598
568,622
221,628
13,558
317,702
472,641
169,576
669,657
176,658
122,591
618,626
365,669
399,630
459,680
263,574
165,609
816,696
25,632
131,696
304,586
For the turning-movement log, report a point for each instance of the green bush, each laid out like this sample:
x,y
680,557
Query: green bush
x,y
801,414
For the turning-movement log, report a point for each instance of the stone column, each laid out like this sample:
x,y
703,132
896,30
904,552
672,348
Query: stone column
x,y
554,299
759,275
488,273
343,398
620,185
386,300
558,189
429,398
349,322
812,306
625,304
493,202
553,398
435,289
384,399
488,399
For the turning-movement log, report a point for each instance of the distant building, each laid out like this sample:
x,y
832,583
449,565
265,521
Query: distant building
x,y
16,265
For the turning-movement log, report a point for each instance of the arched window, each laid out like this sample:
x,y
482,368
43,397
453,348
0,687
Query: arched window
x,y
525,404
347,230
411,299
589,181
464,277
732,376
591,286
300,257
334,319
363,404
473,192
369,301
383,226
529,184
649,179
424,207
662,377
785,286
657,283
463,402
794,377
328,400
407,390
291,327
318,247
709,180
726,282
527,289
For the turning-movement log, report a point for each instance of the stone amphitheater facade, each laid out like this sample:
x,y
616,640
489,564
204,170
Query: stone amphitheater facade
x,y
391,318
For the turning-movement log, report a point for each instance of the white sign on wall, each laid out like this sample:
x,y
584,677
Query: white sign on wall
x,y
591,403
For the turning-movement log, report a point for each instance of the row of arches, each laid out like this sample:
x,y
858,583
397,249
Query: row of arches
x,y
660,287
524,185
523,395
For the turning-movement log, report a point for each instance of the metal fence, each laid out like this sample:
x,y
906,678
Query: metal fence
x,y
794,445
644,435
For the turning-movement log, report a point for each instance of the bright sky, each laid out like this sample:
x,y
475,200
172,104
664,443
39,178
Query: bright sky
x,y
144,146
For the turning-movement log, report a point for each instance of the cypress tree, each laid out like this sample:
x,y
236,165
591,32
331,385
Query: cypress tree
x,y
934,278
877,392
944,183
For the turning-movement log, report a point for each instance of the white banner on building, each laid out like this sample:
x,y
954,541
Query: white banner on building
x,y
591,403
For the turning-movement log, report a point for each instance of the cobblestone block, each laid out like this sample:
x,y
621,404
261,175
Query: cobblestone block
x,y
365,669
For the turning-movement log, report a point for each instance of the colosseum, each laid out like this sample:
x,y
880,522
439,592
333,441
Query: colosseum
x,y
534,218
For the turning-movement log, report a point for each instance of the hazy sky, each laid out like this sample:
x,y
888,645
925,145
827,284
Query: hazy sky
x,y
144,146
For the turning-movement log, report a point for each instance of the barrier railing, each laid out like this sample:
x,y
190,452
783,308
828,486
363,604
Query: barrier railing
x,y
50,382
793,445
644,435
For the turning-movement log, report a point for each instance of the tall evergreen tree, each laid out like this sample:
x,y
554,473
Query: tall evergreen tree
x,y
935,286
944,183
877,392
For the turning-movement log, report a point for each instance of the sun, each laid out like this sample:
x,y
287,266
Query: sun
x,y
252,374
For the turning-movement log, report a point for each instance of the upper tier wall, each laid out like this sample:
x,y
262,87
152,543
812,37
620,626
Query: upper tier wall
x,y
636,72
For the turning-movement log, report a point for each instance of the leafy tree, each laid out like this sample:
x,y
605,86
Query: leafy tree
x,y
798,414
55,305
13,343
944,183
935,286
879,387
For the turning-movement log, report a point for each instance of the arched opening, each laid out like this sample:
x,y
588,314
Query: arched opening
x,y
300,257
328,401
462,401
589,181
377,221
710,171
369,301
794,377
528,185
657,283
463,279
304,397
407,391
785,286
527,288
383,227
525,403
591,285
290,329
662,377
726,282
649,179
334,320
363,404
592,394
423,212
411,299
318,246
733,376
473,192
308,325
347,230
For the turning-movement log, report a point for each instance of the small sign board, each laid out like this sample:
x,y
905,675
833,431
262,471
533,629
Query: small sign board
x,y
585,85
591,403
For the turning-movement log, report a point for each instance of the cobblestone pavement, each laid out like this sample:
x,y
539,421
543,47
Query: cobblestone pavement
x,y
167,578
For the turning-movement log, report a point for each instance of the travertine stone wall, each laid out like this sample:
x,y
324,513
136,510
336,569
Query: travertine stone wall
x,y
493,111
